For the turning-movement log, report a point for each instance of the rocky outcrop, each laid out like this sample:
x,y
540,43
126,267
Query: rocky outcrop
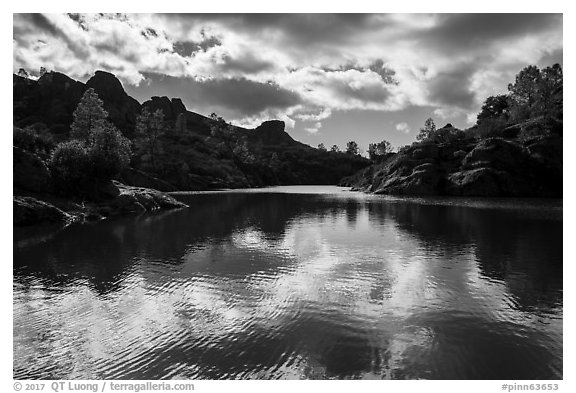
x,y
139,200
187,155
53,98
29,211
493,167
122,109
36,202
50,100
42,209
271,133
170,107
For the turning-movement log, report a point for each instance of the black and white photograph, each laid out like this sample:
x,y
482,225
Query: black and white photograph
x,y
287,196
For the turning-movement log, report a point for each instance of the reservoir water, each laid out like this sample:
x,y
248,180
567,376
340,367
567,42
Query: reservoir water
x,y
295,282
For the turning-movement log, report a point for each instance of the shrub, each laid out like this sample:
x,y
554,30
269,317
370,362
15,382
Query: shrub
x,y
33,141
109,151
70,167
79,166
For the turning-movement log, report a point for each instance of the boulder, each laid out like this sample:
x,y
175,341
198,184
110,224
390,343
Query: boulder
x,y
474,182
138,200
495,153
30,211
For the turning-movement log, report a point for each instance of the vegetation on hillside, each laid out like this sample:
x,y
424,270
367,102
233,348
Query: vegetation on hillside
x,y
96,152
514,149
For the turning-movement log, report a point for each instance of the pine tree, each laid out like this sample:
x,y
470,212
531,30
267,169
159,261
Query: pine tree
x,y
88,115
428,131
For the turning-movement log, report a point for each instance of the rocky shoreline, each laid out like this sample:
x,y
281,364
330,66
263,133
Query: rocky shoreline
x,y
49,209
36,202
492,167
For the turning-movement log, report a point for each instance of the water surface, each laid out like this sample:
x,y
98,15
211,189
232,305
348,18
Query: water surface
x,y
295,282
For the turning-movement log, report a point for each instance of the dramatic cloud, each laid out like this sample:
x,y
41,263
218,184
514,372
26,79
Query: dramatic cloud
x,y
301,68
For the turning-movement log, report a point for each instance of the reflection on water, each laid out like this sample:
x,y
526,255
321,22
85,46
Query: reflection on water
x,y
295,284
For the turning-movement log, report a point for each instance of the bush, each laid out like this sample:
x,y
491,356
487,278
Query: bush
x,y
33,139
79,167
70,166
109,151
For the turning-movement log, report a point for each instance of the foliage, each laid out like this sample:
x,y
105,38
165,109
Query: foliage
x,y
149,128
70,167
550,99
495,107
89,114
35,138
274,162
537,93
352,148
427,131
229,142
97,151
335,149
376,150
322,147
109,151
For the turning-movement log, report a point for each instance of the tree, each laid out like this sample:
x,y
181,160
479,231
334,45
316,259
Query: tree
x,y
274,162
352,148
97,152
149,128
229,142
335,149
428,131
70,167
376,150
524,92
550,89
43,70
321,147
88,115
494,107
109,151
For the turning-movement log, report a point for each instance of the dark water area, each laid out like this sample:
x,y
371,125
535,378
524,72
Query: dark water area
x,y
292,283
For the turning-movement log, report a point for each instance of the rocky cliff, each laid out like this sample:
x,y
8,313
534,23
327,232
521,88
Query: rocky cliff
x,y
494,167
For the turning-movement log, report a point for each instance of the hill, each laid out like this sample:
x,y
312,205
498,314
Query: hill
x,y
188,156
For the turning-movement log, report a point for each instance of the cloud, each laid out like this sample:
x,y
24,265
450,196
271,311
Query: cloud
x,y
403,127
234,99
297,66
314,129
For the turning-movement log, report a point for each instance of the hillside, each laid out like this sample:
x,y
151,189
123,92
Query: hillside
x,y
187,156
494,167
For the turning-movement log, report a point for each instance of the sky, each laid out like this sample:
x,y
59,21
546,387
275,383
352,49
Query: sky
x,y
332,78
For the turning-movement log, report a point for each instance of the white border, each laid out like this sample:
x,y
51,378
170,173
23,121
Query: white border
x,y
230,6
